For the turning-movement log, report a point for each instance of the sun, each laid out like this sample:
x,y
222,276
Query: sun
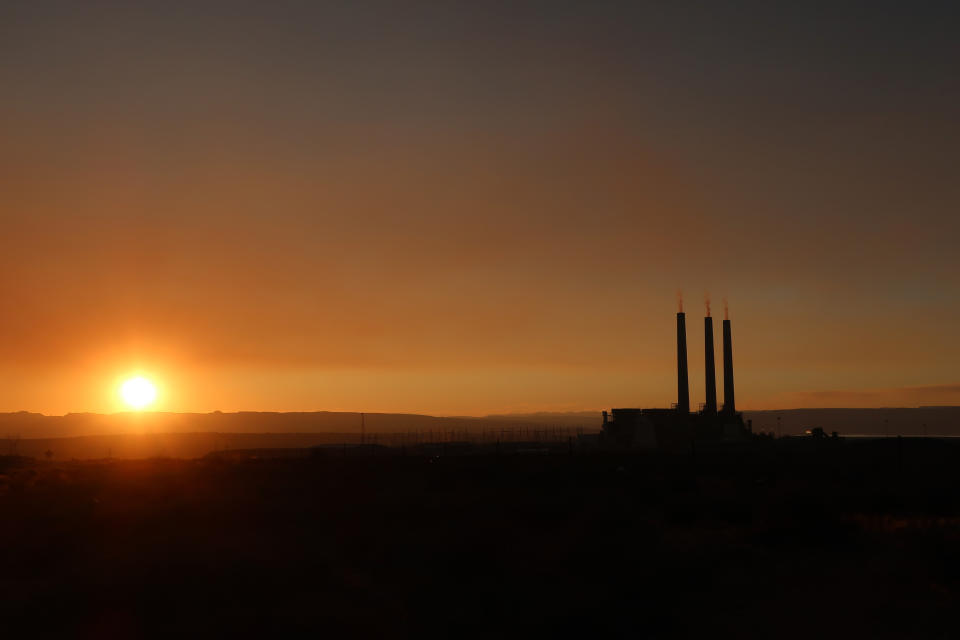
x,y
139,393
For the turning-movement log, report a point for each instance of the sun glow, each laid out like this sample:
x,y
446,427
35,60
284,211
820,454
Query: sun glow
x,y
139,393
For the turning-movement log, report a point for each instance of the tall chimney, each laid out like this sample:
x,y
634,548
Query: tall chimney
x,y
683,385
729,405
711,370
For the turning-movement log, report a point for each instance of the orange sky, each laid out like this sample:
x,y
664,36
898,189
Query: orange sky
x,y
454,215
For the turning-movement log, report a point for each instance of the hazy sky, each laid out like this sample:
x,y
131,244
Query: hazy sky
x,y
471,207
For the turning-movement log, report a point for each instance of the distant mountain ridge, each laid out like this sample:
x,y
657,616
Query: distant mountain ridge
x,y
34,425
893,421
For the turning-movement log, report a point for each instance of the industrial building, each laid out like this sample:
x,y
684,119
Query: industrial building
x,y
677,428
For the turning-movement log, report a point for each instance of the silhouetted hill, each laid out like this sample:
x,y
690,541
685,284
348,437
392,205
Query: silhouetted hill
x,y
189,435
34,425
166,445
574,419
932,420
944,421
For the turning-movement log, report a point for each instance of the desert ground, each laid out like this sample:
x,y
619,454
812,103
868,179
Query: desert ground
x,y
828,538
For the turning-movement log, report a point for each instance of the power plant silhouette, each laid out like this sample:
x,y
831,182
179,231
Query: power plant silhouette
x,y
677,427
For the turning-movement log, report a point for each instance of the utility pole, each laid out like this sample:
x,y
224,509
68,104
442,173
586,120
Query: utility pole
x,y
363,429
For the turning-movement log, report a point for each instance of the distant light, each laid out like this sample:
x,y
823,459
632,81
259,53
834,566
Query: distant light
x,y
138,393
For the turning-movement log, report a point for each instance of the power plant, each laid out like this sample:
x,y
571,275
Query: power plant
x,y
677,428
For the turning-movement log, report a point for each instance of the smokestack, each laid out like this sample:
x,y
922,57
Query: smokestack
x,y
683,385
711,371
729,405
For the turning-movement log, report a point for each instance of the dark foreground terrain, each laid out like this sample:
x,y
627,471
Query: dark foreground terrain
x,y
803,539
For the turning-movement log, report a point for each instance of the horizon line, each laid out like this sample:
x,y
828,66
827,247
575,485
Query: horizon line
x,y
437,415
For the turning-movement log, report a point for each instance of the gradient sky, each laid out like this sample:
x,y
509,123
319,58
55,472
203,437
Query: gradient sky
x,y
472,207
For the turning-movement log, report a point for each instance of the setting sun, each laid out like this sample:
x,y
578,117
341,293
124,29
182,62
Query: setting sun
x,y
138,393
